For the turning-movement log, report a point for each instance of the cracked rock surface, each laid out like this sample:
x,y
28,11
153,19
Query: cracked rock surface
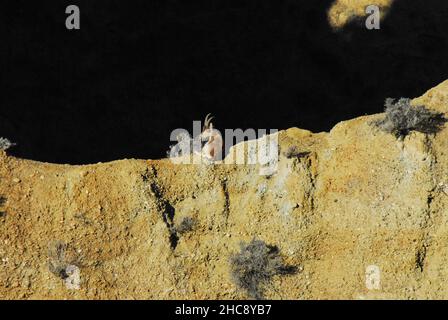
x,y
356,197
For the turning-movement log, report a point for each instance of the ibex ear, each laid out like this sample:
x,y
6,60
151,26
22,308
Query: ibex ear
x,y
211,126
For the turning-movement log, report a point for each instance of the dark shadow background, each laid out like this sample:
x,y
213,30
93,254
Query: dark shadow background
x,y
139,69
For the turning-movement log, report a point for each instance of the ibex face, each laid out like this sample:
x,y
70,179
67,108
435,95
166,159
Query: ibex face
x,y
212,149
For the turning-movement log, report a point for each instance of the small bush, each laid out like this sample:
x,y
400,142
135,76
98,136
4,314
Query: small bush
x,y
187,225
402,118
255,265
61,259
5,144
57,263
294,152
2,202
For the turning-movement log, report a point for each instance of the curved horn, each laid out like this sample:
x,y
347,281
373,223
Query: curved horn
x,y
207,120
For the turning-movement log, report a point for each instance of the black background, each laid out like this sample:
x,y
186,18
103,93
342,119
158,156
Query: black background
x,y
279,309
139,69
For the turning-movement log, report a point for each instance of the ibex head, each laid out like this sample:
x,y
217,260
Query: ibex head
x,y
207,131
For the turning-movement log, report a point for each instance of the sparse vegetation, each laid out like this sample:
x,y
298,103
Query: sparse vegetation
x,y
61,261
2,202
187,225
5,144
294,152
57,264
255,265
63,264
402,118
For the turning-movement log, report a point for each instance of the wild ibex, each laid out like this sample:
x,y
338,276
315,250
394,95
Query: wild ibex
x,y
212,149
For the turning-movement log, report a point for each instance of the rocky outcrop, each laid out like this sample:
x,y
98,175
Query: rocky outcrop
x,y
342,11
355,205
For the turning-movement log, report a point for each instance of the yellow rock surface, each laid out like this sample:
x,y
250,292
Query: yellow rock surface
x,y
342,11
